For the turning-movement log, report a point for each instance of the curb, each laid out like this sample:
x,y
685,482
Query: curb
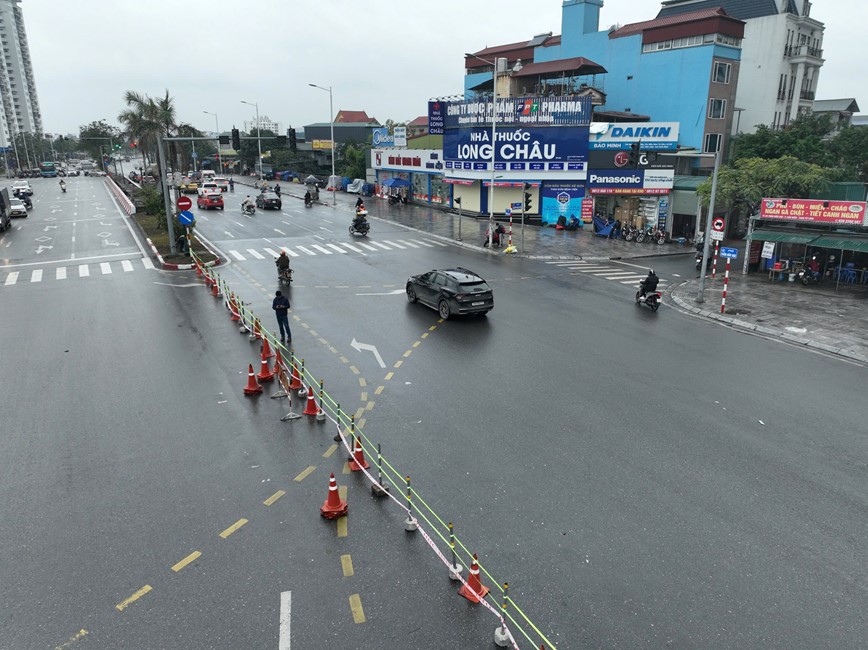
x,y
168,266
746,326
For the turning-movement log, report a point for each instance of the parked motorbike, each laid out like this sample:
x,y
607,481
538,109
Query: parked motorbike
x,y
652,298
308,203
630,232
805,275
658,237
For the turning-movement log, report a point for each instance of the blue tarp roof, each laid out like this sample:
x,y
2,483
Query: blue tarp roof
x,y
396,182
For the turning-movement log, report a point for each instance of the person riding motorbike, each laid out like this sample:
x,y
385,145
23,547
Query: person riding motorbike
x,y
247,205
231,185
277,189
649,284
359,203
62,185
307,198
282,261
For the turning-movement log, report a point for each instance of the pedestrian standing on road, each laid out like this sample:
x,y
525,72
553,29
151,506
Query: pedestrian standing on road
x,y
280,305
181,243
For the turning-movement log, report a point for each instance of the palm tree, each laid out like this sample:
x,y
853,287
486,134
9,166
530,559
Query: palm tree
x,y
149,119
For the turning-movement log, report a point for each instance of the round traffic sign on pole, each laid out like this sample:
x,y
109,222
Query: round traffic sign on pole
x,y
184,203
717,224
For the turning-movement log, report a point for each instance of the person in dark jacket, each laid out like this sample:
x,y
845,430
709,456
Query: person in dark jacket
x,y
280,305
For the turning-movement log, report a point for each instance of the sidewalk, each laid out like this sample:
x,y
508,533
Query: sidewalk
x,y
815,316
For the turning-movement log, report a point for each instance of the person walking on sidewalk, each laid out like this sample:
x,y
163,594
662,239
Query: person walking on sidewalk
x,y
280,305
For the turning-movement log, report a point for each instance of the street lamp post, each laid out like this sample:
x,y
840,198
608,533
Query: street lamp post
x,y
258,136
700,294
493,147
217,126
332,136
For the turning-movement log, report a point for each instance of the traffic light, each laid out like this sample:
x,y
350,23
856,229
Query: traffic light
x,y
293,144
236,139
133,145
634,154
527,198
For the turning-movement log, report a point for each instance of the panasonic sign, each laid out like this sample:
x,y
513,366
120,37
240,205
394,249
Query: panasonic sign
x,y
615,180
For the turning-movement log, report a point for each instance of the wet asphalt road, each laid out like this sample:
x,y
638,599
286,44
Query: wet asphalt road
x,y
638,478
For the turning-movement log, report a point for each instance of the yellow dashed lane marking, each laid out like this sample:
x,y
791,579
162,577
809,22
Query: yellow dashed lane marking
x,y
330,451
425,335
362,382
432,328
408,353
361,423
356,608
417,344
238,524
342,527
322,340
344,359
379,390
306,326
346,469
342,492
398,364
364,396
360,411
304,474
347,566
121,606
274,497
389,375
75,637
180,565
355,370
369,406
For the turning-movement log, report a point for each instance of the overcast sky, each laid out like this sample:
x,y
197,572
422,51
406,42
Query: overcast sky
x,y
386,58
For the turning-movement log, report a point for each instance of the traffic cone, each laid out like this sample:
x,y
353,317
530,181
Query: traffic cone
x,y
265,374
198,268
257,333
473,584
358,462
215,291
266,349
310,408
294,379
233,308
252,387
333,507
278,365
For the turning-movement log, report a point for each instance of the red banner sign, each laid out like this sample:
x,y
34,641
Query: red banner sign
x,y
587,209
850,213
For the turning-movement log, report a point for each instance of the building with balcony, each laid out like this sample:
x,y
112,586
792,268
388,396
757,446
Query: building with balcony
x,y
683,68
19,112
781,57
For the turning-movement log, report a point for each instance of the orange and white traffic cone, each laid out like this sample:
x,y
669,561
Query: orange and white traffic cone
x,y
333,507
358,462
252,387
198,268
473,583
215,290
265,374
294,379
266,348
278,365
233,308
310,408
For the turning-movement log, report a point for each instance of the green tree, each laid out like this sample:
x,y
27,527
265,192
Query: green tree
x,y
850,147
807,139
95,138
249,153
353,161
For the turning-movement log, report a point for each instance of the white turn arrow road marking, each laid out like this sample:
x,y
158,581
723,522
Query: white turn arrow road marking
x,y
371,348
47,228
48,248
228,234
285,620
279,231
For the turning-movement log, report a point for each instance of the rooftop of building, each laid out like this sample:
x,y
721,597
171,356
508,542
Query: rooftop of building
x,y
670,21
844,105
354,117
741,9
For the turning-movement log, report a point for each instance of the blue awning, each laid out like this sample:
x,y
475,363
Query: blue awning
x,y
396,182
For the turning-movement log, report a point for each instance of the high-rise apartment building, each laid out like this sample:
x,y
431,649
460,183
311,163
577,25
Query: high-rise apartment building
x,y
20,106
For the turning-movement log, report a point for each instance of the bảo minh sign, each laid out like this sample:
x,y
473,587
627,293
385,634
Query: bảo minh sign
x,y
850,213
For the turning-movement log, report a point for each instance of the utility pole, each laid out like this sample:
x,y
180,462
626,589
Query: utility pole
x,y
167,201
700,295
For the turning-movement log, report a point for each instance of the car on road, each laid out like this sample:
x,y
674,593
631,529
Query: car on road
x,y
189,187
222,183
5,221
208,187
210,200
22,186
451,292
268,201
94,172
17,208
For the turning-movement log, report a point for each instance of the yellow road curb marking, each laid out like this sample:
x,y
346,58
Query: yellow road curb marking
x,y
347,566
342,526
356,608
274,497
330,451
180,565
238,524
121,606
304,474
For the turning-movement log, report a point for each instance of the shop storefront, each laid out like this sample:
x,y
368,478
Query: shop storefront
x,y
537,141
422,168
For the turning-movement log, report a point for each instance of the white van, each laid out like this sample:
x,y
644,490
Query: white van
x,y
208,175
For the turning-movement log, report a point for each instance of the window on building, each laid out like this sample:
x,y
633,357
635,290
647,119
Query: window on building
x,y
721,72
713,142
716,109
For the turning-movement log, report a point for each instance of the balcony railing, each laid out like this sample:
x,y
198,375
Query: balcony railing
x,y
803,50
807,94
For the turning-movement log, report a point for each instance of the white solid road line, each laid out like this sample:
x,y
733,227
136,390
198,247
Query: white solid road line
x,y
285,620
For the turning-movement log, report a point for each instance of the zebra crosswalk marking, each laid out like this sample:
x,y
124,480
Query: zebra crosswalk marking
x,y
60,274
238,256
289,252
126,265
379,245
423,243
409,243
337,248
321,249
12,278
391,243
105,267
353,248
83,270
255,253
36,275
368,246
272,252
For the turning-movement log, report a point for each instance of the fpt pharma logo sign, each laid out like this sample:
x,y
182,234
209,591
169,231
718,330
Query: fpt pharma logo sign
x,y
528,111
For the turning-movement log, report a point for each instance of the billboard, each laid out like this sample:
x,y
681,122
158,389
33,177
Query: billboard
x,y
514,111
561,200
851,213
631,181
651,136
381,137
436,113
620,159
520,149
419,160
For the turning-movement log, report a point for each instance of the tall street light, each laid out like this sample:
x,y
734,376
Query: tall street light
x,y
258,136
217,126
493,147
332,129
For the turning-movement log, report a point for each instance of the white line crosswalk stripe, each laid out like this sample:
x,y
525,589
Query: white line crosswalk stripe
x,y
83,270
36,276
391,243
354,249
304,250
148,264
238,256
423,243
127,266
379,245
11,279
255,253
60,273
337,248
105,267
289,252
409,243
368,246
272,252
321,249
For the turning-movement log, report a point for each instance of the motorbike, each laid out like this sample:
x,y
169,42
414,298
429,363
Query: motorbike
x,y
395,198
277,190
658,237
652,298
284,276
360,225
308,203
63,188
805,275
248,209
630,232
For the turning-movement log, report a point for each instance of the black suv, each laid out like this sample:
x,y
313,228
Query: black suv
x,y
451,291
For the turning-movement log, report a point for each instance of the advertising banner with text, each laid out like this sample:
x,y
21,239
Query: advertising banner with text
x,y
528,111
633,181
651,136
520,149
850,213
561,200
